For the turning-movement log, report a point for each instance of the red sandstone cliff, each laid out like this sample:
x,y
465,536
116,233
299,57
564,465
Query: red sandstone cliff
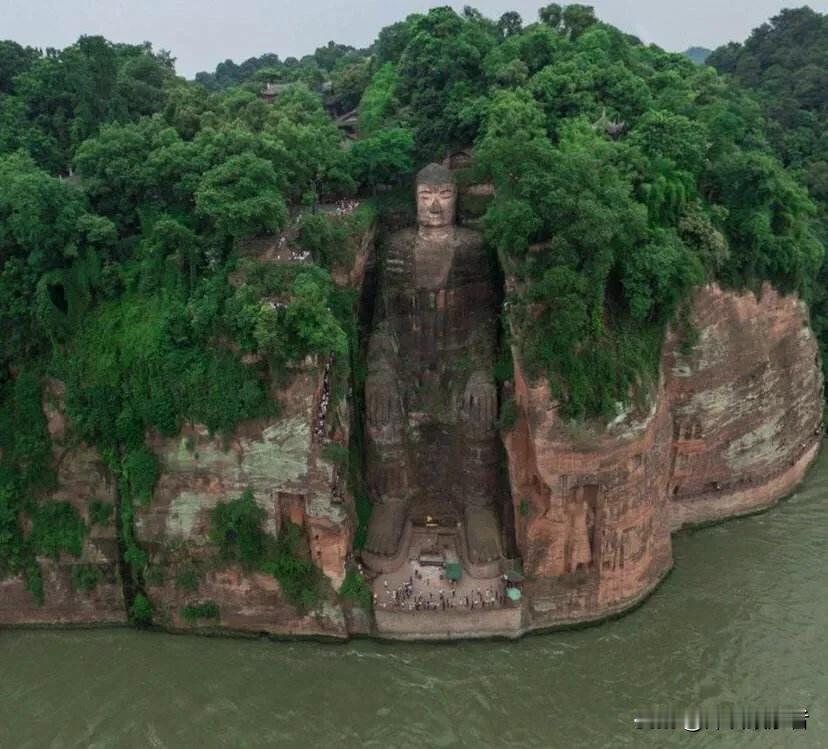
x,y
746,404
282,459
734,425
82,478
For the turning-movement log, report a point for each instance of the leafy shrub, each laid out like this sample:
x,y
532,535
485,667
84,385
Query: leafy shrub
x,y
140,613
12,546
187,580
25,456
236,527
326,238
336,454
134,555
100,512
85,577
34,582
140,468
192,612
57,527
297,574
356,589
24,438
331,239
504,366
140,364
508,415
154,575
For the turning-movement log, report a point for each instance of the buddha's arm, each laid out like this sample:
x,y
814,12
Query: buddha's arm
x,y
383,404
480,401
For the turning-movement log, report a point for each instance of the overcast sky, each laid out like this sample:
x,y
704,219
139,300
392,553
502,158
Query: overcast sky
x,y
201,33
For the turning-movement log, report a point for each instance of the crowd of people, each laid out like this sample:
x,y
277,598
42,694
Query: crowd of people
x,y
295,256
411,597
324,400
346,206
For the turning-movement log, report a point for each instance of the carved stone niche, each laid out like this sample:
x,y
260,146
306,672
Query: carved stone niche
x,y
581,520
291,508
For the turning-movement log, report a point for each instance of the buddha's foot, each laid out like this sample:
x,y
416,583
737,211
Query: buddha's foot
x,y
385,529
483,535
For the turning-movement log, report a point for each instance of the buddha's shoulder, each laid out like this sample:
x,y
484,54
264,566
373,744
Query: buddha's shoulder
x,y
402,241
468,239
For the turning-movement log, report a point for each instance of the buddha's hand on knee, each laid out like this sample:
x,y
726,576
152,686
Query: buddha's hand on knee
x,y
375,541
384,528
380,400
480,401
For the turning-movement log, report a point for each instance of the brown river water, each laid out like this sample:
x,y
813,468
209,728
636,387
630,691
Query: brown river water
x,y
742,619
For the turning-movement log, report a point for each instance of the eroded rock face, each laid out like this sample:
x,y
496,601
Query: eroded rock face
x,y
281,459
736,422
282,462
746,404
82,478
591,509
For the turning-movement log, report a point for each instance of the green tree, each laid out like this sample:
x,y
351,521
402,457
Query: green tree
x,y
577,19
236,528
551,15
14,59
311,325
242,197
510,24
440,72
378,103
384,157
44,229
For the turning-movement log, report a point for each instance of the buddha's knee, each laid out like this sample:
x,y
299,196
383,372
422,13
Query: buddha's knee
x,y
479,407
382,400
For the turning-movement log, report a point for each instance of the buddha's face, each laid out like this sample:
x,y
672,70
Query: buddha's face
x,y
435,205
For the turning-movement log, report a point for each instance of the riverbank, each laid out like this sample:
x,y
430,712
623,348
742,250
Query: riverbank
x,y
496,624
741,618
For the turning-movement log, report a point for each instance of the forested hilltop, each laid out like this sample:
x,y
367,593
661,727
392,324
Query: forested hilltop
x,y
624,176
785,64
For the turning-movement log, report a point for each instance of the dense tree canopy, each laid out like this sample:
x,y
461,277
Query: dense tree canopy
x,y
52,102
784,63
125,197
624,176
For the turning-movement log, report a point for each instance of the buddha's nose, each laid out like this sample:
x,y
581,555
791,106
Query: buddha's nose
x,y
435,206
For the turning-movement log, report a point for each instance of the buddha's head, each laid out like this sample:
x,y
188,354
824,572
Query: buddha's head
x,y
436,197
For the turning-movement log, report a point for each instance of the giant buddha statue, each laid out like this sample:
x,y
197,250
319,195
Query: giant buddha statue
x,y
431,401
